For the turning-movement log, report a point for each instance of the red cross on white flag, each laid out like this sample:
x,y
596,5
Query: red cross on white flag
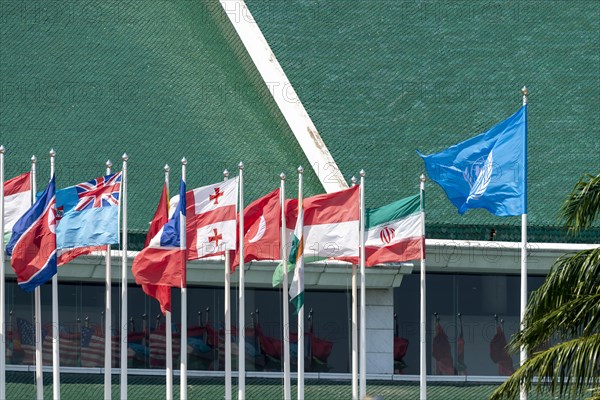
x,y
211,219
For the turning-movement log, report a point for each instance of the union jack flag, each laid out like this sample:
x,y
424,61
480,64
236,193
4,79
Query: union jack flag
x,y
100,192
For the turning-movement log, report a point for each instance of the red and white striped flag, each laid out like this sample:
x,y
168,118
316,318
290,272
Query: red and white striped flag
x,y
17,200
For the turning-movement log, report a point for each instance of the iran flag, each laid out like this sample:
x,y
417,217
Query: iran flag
x,y
394,232
17,200
212,219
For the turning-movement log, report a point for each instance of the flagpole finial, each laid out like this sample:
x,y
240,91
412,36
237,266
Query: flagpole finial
x,y
108,164
282,176
2,149
167,168
183,161
125,157
353,180
226,174
33,159
300,170
52,153
525,92
241,165
362,173
422,178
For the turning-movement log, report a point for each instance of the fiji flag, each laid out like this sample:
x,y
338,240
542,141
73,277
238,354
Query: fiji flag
x,y
487,171
32,246
88,213
163,261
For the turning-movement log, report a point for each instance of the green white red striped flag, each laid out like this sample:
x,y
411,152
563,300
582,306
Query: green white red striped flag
x,y
393,232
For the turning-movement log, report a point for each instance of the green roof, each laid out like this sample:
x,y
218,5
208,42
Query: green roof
x,y
20,385
158,80
163,80
383,78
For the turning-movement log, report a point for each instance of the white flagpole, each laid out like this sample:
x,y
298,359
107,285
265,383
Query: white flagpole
x,y
124,330
183,346
107,316
55,330
2,285
39,377
227,307
363,327
300,385
422,324
241,307
354,327
523,353
168,327
287,385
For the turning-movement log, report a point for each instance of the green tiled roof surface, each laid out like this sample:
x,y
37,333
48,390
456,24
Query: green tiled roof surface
x,y
159,80
383,78
20,385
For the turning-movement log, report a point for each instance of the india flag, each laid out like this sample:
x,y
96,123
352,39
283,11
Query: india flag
x,y
17,200
297,257
394,232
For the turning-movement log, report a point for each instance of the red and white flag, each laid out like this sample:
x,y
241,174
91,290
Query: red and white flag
x,y
212,219
17,200
262,230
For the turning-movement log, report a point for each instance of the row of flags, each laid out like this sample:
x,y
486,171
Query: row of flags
x,y
487,171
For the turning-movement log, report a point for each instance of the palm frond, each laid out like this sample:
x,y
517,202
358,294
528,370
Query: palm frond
x,y
583,204
568,367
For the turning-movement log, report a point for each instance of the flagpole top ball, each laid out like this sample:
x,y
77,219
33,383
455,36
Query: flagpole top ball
x,y
525,91
108,164
2,149
52,153
353,180
282,176
167,168
226,174
183,161
33,159
422,178
241,165
362,173
125,157
300,170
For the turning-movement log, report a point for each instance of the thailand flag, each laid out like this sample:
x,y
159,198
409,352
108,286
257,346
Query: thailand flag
x,y
32,246
163,261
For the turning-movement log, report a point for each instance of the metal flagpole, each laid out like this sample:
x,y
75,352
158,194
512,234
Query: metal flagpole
x,y
422,324
124,330
227,307
2,284
300,385
107,316
182,246
39,377
241,307
354,328
523,352
287,385
168,327
363,327
55,330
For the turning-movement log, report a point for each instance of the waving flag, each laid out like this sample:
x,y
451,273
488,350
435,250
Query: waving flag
x,y
161,217
89,213
211,219
487,171
498,353
262,222
296,258
17,200
162,262
32,246
441,352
